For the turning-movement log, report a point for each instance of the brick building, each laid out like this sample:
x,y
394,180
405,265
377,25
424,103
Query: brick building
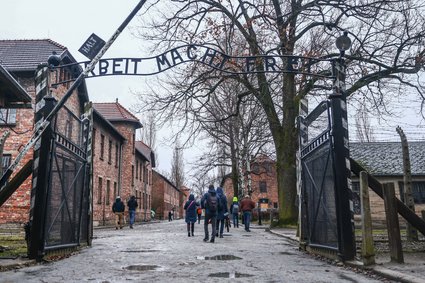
x,y
263,183
145,161
384,161
122,166
20,58
165,197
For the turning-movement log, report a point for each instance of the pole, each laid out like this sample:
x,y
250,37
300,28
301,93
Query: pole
x,y
345,221
41,127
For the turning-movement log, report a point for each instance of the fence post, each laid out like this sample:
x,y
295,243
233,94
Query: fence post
x,y
368,248
393,227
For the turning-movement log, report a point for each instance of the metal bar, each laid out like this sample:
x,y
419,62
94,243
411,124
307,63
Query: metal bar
x,y
16,181
42,126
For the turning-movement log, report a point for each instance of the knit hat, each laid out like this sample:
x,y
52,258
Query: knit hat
x,y
235,199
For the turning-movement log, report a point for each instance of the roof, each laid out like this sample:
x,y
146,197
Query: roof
x,y
385,158
26,55
11,90
115,112
146,152
108,124
165,179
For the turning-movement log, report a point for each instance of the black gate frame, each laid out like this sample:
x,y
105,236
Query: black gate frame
x,y
336,138
57,222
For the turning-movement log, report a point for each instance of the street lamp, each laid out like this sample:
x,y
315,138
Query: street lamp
x,y
343,43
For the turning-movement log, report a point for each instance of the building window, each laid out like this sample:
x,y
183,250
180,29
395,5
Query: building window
x,y
263,186
102,146
134,143
110,152
275,205
137,169
132,175
99,190
116,155
418,192
115,190
108,191
5,162
7,116
144,201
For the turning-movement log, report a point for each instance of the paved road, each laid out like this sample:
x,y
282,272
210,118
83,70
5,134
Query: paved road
x,y
162,252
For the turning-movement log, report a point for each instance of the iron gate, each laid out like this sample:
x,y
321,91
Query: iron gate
x,y
327,218
318,189
60,198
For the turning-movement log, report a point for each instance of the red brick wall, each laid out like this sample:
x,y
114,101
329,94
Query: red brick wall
x,y
16,208
165,197
107,171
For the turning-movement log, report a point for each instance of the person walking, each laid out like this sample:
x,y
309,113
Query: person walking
x,y
247,205
234,209
190,207
199,212
221,211
118,209
209,203
170,216
132,205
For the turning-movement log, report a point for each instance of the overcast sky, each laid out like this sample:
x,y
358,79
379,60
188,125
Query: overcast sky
x,y
70,23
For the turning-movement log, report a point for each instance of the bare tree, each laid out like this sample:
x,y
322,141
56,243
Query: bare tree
x,y
364,129
177,167
385,58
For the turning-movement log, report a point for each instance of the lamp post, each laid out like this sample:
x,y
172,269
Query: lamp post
x,y
344,213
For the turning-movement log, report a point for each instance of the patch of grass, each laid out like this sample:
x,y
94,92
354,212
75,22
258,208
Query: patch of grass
x,y
12,246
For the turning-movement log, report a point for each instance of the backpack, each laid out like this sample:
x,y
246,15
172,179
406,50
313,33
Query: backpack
x,y
220,202
212,203
235,208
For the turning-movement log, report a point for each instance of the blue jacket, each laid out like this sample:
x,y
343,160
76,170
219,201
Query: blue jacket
x,y
190,207
204,199
223,200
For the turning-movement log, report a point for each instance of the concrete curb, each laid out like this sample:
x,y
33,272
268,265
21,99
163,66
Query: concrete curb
x,y
379,270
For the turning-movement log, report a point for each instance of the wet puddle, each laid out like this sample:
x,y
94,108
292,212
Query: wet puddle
x,y
218,257
286,253
229,275
142,267
141,251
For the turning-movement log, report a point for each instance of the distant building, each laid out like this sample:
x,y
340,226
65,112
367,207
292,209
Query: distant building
x,y
384,161
165,197
20,58
122,166
263,183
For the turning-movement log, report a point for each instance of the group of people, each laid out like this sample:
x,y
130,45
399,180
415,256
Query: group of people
x,y
118,209
214,203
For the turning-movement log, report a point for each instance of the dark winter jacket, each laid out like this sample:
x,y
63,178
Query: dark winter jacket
x,y
190,207
222,209
118,206
211,191
132,203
